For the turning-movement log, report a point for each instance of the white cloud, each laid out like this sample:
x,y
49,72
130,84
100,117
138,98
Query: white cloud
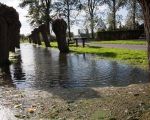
x,y
25,29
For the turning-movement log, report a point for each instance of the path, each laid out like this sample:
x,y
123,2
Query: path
x,y
132,47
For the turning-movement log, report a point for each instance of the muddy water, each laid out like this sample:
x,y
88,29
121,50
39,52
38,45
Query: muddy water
x,y
44,68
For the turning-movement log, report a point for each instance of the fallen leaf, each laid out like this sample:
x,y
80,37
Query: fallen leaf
x,y
18,106
31,110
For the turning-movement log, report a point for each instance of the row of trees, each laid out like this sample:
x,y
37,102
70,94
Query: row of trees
x,y
86,11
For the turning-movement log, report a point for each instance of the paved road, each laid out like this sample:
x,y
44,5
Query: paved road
x,y
132,47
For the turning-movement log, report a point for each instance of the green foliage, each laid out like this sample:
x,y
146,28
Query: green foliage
x,y
38,12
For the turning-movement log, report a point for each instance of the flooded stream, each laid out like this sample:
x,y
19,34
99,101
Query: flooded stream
x,y
41,68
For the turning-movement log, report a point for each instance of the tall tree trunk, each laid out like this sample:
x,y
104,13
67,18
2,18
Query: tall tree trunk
x,y
133,14
114,14
48,19
92,26
4,45
68,19
146,11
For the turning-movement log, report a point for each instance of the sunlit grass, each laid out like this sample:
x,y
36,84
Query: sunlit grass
x,y
24,41
134,57
129,42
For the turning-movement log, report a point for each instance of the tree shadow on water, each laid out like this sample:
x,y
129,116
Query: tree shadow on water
x,y
11,72
5,76
63,90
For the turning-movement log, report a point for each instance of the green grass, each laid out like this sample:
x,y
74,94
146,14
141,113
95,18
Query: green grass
x,y
99,115
24,41
134,57
129,42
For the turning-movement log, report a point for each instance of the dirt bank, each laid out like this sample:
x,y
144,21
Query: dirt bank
x,y
109,103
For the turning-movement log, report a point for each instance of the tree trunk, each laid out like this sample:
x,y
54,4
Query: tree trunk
x,y
133,14
36,32
59,27
29,38
38,37
43,30
146,11
34,38
114,14
14,36
11,38
45,38
92,26
4,48
68,19
62,43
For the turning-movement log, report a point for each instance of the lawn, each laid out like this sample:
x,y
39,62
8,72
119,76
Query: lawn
x,y
134,57
129,42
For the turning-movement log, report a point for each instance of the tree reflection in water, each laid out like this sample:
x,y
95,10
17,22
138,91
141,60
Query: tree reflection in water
x,y
41,68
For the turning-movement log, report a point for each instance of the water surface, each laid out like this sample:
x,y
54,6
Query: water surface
x,y
44,68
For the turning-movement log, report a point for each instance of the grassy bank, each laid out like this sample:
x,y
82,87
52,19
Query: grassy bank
x,y
128,42
134,57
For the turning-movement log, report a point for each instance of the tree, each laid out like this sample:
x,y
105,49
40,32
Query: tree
x,y
65,8
59,27
114,6
100,25
91,7
134,14
9,32
39,11
146,12
110,20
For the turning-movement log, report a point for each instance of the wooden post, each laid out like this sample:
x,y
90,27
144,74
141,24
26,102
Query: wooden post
x,y
83,42
76,39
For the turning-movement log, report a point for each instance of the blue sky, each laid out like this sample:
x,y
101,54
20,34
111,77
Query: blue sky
x,y
26,29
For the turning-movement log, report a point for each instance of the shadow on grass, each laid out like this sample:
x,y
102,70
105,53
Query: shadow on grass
x,y
93,46
103,54
107,54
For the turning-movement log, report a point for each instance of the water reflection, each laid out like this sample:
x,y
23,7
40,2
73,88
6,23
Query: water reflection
x,y
63,70
44,68
5,76
16,69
